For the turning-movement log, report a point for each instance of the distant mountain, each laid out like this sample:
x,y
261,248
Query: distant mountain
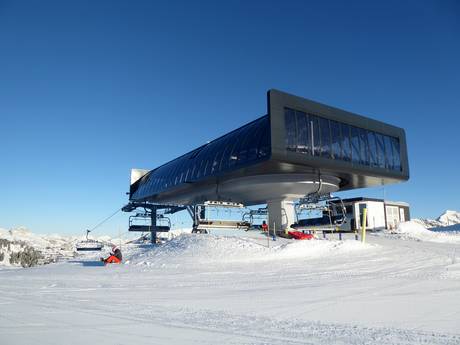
x,y
20,247
447,219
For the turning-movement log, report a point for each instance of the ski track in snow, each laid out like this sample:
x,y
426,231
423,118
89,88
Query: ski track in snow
x,y
391,291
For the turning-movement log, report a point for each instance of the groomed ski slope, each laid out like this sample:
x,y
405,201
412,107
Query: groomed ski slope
x,y
205,289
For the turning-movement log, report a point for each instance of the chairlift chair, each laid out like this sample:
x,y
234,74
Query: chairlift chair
x,y
89,244
142,222
202,224
333,214
252,215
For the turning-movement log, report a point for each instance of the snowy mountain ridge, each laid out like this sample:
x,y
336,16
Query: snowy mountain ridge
x,y
21,247
448,218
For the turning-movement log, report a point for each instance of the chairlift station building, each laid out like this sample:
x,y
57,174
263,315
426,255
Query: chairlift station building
x,y
381,214
297,148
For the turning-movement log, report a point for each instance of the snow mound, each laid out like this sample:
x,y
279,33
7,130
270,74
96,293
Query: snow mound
x,y
416,231
188,248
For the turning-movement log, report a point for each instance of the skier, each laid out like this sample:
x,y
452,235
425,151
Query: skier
x,y
115,256
264,226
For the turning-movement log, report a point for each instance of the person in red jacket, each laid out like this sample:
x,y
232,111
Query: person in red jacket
x,y
115,256
264,226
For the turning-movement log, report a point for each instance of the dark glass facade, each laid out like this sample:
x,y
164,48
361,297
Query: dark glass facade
x,y
246,145
318,136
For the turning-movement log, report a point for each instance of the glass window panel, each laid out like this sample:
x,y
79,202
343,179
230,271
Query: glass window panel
x,y
291,132
188,174
243,151
159,181
346,143
380,150
161,178
157,186
200,168
314,122
373,157
325,138
355,149
177,170
254,139
202,157
234,156
166,176
220,149
263,149
388,152
364,147
206,168
211,155
150,182
396,153
194,170
336,137
206,158
303,138
188,162
232,141
169,170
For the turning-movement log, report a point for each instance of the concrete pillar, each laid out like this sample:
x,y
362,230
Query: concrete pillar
x,y
153,228
281,213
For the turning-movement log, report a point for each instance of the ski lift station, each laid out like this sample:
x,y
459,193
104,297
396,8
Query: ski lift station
x,y
381,214
299,152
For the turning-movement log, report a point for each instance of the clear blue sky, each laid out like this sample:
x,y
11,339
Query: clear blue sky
x,y
90,89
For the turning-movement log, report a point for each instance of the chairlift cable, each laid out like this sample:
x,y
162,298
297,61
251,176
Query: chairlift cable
x,y
105,220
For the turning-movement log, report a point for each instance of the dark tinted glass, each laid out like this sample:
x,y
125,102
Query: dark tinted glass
x,y
249,143
389,161
314,131
316,135
396,153
253,143
325,138
303,137
291,131
336,137
373,157
380,150
355,148
364,147
239,149
346,142
264,142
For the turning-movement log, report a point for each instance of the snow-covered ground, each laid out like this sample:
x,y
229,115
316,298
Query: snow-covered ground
x,y
210,289
415,231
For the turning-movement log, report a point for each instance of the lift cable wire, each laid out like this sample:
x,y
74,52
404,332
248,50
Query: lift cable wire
x,y
105,220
